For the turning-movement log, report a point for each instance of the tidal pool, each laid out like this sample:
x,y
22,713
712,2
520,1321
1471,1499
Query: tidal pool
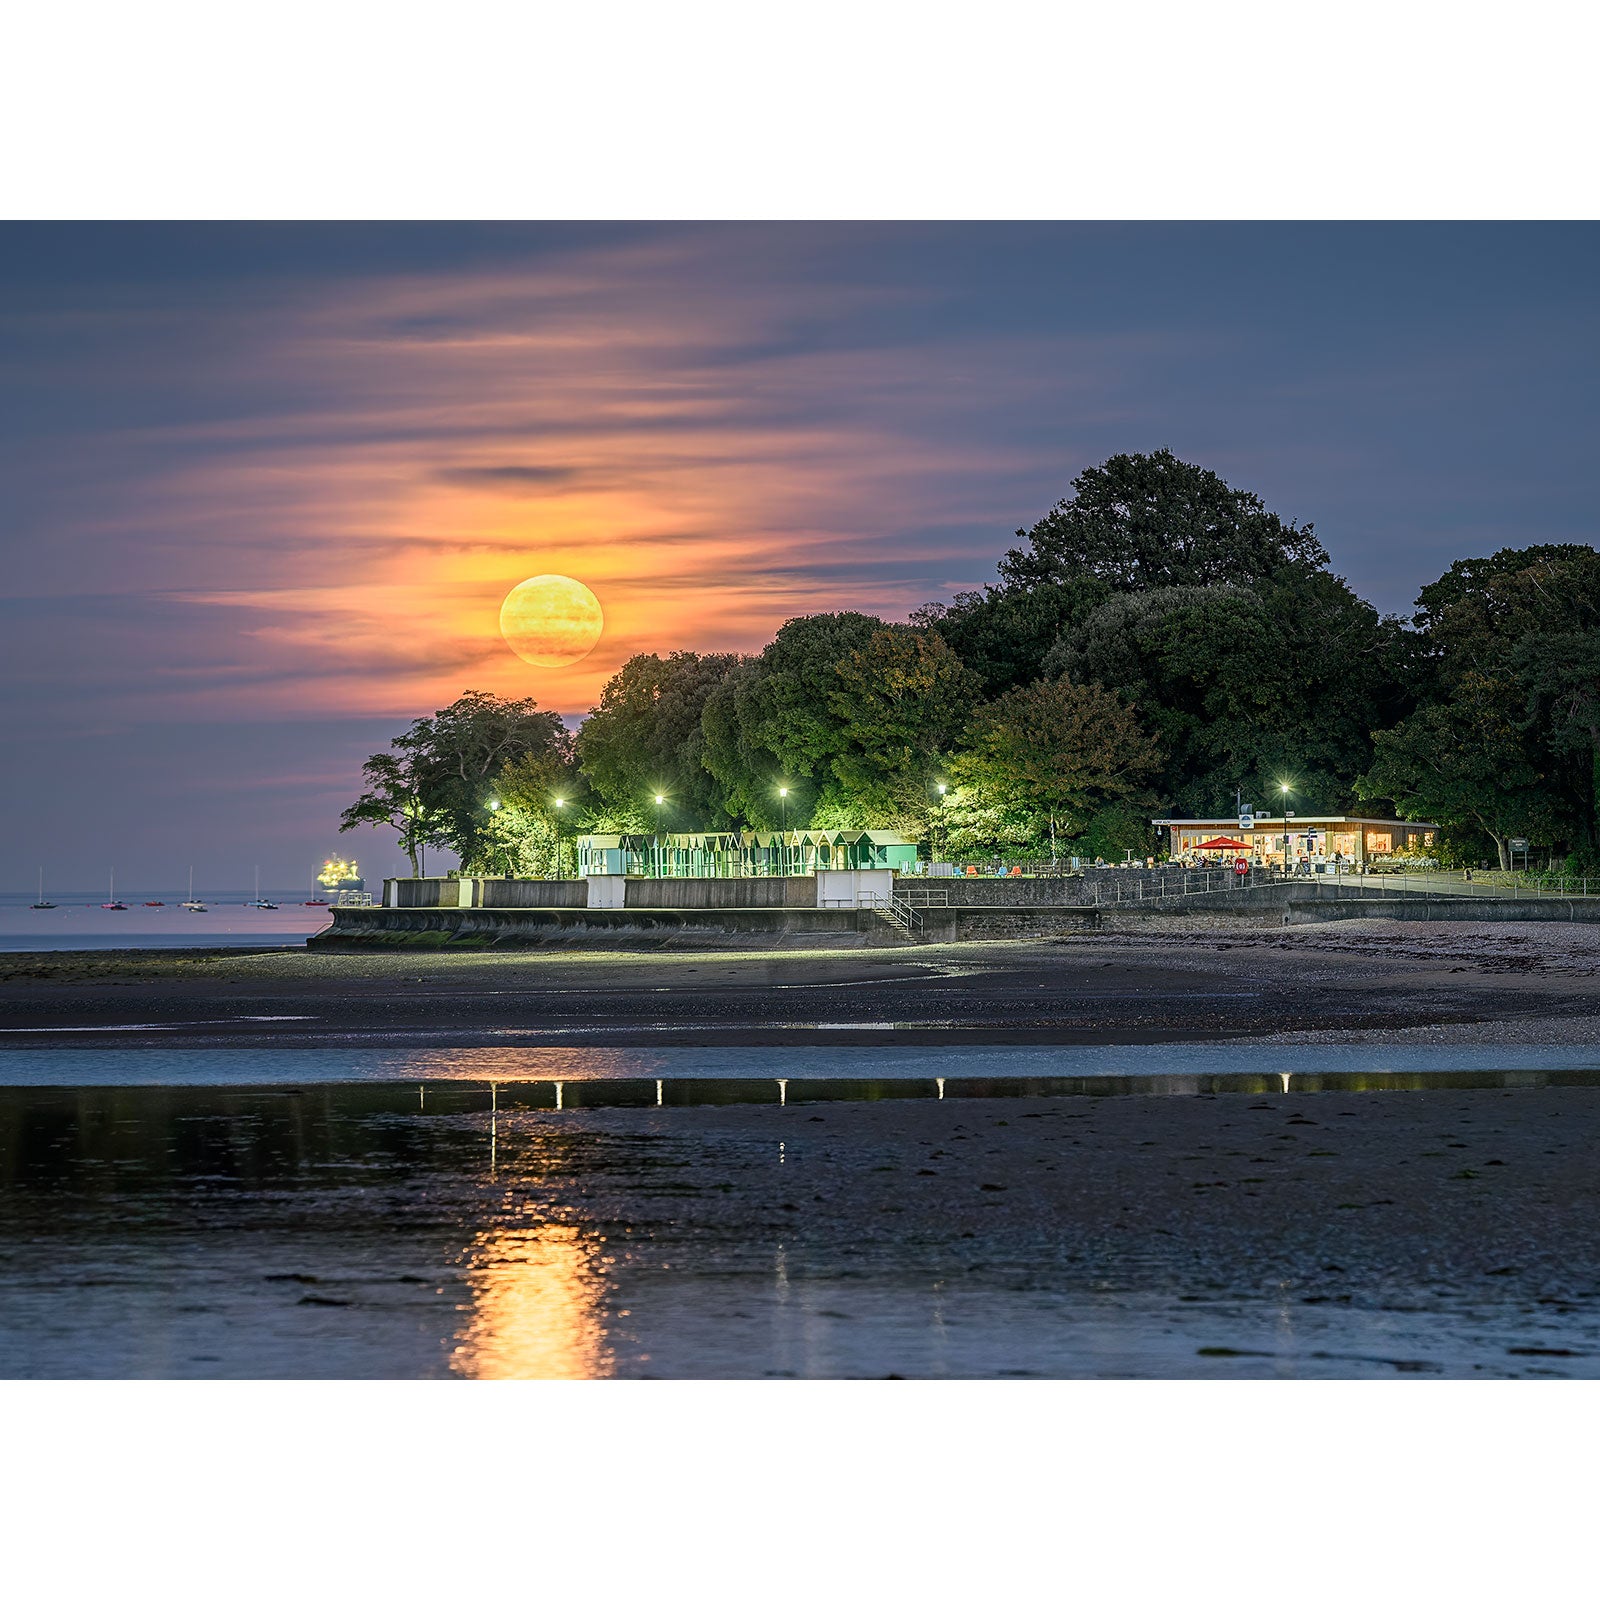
x,y
704,1226
97,1062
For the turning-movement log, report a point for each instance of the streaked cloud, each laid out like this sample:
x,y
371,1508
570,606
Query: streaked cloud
x,y
256,481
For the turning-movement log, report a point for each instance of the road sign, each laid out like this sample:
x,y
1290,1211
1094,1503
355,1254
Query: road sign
x,y
1241,866
1247,819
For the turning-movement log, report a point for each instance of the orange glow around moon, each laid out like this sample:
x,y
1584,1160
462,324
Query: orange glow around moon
x,y
551,621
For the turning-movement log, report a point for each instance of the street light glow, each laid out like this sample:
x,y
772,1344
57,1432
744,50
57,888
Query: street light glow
x,y
494,805
661,799
783,794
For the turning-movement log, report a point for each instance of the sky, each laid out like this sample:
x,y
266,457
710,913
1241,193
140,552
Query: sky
x,y
265,486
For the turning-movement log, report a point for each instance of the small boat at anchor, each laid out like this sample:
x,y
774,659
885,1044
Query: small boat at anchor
x,y
113,904
191,904
41,904
258,904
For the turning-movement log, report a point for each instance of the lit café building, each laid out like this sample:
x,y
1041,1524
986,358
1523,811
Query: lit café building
x,y
1316,842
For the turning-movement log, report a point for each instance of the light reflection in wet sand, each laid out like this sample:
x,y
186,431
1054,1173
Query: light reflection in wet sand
x,y
538,1307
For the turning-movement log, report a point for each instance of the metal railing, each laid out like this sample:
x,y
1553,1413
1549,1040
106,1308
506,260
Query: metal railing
x,y
1456,885
896,909
1176,883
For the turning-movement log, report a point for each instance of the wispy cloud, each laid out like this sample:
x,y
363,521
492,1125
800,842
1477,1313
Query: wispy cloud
x,y
412,448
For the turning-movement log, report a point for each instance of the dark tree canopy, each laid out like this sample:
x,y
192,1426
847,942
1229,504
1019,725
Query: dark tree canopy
x,y
1159,639
645,736
436,785
1245,688
1140,522
772,724
1003,635
902,699
1465,763
1058,751
1518,632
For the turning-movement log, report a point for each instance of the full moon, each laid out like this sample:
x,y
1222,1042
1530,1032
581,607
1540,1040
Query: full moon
x,y
551,621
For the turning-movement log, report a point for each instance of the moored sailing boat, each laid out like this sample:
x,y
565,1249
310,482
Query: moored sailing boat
x,y
113,904
258,904
191,904
41,904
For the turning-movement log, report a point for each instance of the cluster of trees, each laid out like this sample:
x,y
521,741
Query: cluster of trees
x,y
1505,738
1159,640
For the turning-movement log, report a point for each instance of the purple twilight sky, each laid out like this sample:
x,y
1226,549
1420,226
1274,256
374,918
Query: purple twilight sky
x,y
266,485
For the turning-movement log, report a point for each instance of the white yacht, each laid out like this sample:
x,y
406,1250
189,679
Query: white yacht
x,y
258,904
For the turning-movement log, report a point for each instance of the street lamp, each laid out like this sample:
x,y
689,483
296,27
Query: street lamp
x,y
1285,790
559,804
661,800
783,833
494,805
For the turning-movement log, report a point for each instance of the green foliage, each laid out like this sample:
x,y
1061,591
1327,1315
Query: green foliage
x,y
520,832
1115,831
1509,741
394,797
1003,635
973,823
1464,762
1141,522
1057,751
1158,638
435,785
646,737
902,698
851,715
1244,688
770,725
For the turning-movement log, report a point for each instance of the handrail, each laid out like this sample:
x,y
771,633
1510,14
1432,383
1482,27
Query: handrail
x,y
1111,888
895,909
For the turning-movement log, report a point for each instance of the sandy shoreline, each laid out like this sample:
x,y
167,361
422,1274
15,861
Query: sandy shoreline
x,y
409,1230
1519,983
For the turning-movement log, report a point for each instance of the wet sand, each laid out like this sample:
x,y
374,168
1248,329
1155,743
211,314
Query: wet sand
x,y
356,1232
434,1230
1148,981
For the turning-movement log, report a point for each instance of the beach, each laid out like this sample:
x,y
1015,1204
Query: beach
x,y
1338,1151
1149,980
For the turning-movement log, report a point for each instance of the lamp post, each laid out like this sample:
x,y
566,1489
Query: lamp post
x,y
661,800
1285,790
494,805
559,804
933,832
783,833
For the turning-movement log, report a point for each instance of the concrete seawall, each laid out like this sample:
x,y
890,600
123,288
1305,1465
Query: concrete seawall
x,y
358,927
369,926
1462,908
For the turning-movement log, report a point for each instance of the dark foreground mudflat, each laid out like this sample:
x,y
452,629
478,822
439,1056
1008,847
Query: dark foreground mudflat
x,y
388,1231
1142,983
